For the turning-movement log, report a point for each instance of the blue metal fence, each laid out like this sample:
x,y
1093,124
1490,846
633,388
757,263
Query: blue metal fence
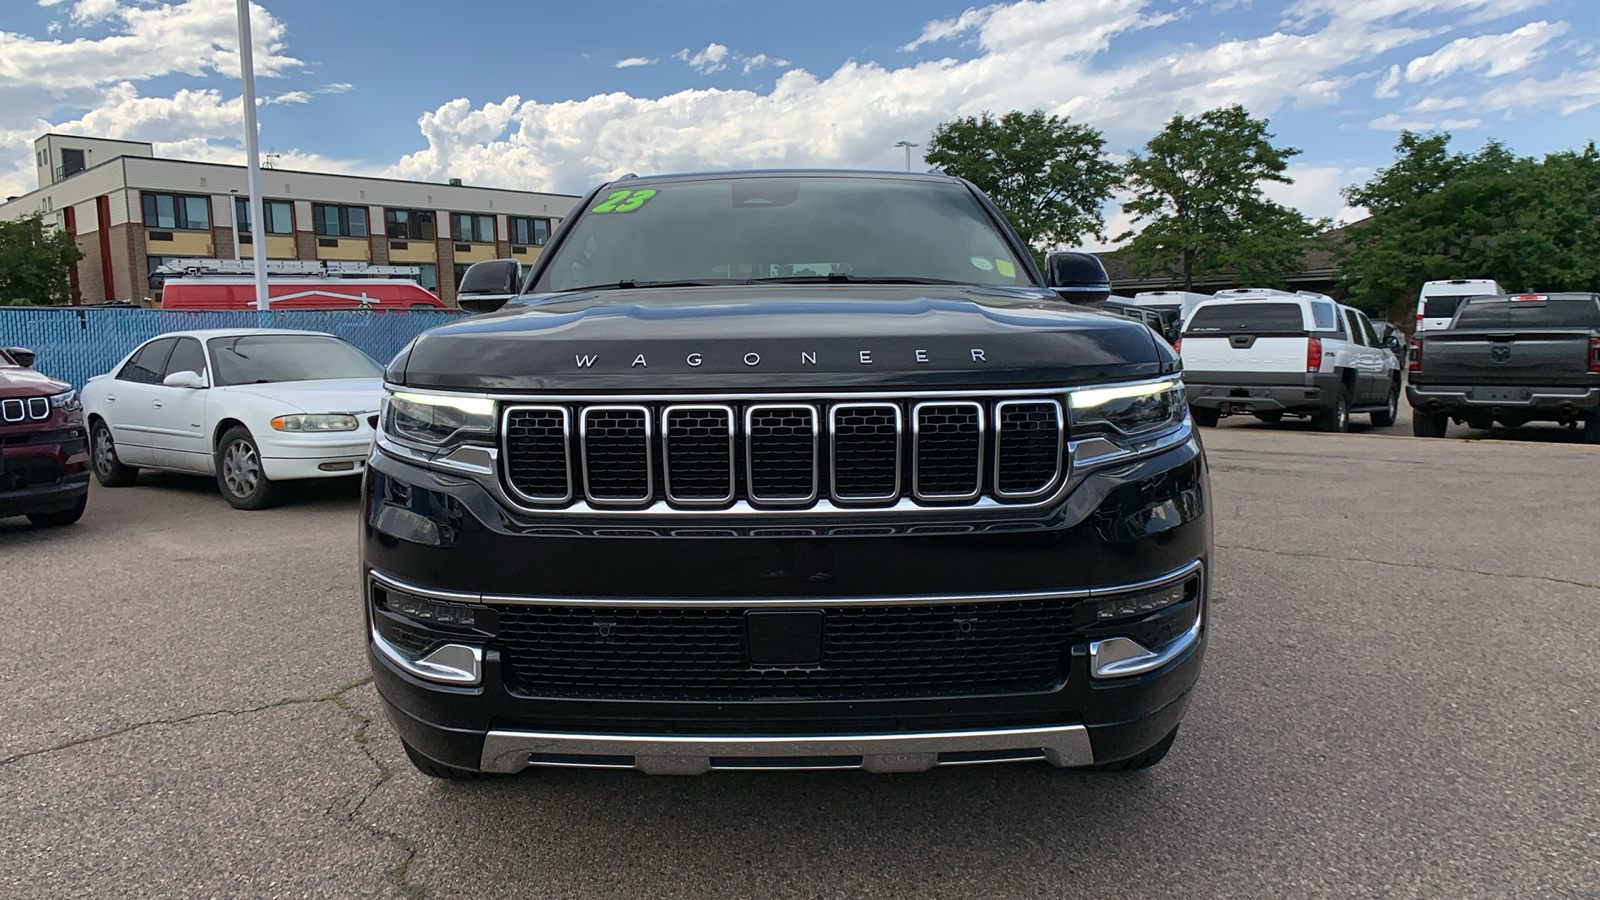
x,y
76,344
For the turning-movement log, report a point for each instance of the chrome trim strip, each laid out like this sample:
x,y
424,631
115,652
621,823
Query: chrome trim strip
x,y
450,664
833,452
749,454
505,448
649,468
802,396
1060,745
39,408
916,453
1121,657
999,447
666,454
809,602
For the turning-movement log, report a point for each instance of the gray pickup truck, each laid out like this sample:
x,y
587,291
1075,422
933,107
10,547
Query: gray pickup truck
x,y
1513,360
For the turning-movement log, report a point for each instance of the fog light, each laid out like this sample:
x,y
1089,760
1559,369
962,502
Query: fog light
x,y
1144,604
437,613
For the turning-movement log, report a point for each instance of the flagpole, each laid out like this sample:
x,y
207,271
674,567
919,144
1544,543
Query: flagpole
x,y
252,152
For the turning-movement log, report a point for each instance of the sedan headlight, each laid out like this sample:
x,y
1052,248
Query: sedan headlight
x,y
1127,411
67,401
437,420
316,423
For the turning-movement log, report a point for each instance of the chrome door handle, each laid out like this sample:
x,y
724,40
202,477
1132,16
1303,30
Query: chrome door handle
x,y
111,398
156,403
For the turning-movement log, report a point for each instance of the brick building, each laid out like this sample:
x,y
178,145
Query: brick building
x,y
130,212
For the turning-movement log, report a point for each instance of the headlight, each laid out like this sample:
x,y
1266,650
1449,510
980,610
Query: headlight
x,y
1127,411
304,423
437,420
68,401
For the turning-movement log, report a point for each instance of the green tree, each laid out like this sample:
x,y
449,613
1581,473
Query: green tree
x,y
1528,224
1048,175
36,262
1197,195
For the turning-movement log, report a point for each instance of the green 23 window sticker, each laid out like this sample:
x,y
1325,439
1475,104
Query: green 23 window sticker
x,y
624,201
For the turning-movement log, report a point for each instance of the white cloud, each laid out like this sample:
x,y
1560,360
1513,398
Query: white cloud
x,y
760,61
712,59
634,61
1500,54
1390,85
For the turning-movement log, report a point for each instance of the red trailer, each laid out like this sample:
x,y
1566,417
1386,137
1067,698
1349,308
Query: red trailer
x,y
236,292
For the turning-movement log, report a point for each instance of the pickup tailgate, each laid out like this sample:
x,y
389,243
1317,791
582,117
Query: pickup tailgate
x,y
1244,336
1531,358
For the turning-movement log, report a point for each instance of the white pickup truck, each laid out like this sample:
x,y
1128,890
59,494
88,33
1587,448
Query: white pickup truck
x,y
1272,353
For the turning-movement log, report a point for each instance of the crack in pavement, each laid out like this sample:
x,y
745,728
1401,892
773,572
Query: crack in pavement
x,y
398,876
1402,565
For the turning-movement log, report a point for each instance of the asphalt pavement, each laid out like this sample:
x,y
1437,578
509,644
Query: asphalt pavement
x,y
1399,700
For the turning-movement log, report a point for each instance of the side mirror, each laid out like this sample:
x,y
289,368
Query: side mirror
x,y
193,380
486,286
1077,277
22,355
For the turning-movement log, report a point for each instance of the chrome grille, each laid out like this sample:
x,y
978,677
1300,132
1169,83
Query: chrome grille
x,y
866,452
17,409
616,455
771,455
781,454
697,443
948,438
1028,439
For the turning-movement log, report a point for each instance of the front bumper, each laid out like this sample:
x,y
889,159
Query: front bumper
x,y
285,458
1119,530
1251,393
1555,402
44,469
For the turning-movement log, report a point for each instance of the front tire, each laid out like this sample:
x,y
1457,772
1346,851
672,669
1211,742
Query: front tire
x,y
1386,419
1429,425
108,469
1591,429
1336,420
240,475
1143,760
1271,417
1204,417
60,518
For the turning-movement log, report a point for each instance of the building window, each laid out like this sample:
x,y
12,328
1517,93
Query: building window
x,y
529,232
278,213
409,225
340,221
470,228
461,269
428,277
182,211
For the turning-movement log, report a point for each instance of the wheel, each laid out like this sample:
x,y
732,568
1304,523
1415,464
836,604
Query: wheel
x,y
239,474
1591,429
1206,418
1271,418
1337,418
1386,418
1142,760
108,470
439,770
1429,425
61,517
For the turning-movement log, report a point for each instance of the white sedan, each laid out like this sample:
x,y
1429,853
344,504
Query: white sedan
x,y
251,406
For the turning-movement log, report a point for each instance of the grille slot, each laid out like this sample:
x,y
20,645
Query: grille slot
x,y
781,455
867,653
948,442
1028,438
616,455
697,443
866,452
538,458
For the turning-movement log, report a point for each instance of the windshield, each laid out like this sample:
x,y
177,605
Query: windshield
x,y
1234,317
262,358
782,228
1555,312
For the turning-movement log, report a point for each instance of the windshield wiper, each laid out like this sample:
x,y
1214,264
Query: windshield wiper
x,y
628,284
845,278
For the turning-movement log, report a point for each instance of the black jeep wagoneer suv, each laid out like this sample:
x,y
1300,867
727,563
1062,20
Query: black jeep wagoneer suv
x,y
784,470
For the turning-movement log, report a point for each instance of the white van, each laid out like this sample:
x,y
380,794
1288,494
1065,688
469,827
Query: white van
x,y
1438,300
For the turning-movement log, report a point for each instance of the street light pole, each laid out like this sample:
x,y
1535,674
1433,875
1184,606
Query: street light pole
x,y
233,210
908,145
252,153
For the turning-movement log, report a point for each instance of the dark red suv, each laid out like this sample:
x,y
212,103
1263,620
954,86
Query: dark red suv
x,y
44,451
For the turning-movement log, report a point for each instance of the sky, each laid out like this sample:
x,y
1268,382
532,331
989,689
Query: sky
x,y
561,96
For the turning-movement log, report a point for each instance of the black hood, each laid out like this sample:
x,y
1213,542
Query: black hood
x,y
782,338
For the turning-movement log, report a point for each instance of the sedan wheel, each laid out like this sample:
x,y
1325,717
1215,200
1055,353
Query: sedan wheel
x,y
108,469
239,473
